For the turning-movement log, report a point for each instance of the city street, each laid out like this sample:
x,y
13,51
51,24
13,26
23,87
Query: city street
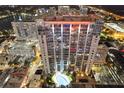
x,y
32,69
78,45
109,76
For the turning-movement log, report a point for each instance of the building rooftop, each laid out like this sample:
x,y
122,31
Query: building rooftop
x,y
71,18
69,22
22,45
17,77
4,58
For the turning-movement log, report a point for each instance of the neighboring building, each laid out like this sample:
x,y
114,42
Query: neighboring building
x,y
83,9
25,30
5,76
51,11
5,42
114,30
2,44
17,78
67,40
4,60
101,54
22,48
63,10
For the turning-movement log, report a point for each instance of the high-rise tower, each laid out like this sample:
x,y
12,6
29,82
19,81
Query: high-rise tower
x,y
67,40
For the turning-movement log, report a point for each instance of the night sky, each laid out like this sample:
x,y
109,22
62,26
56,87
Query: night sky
x,y
117,9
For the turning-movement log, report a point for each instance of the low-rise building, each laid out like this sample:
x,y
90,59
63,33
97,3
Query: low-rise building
x,y
22,48
17,78
4,60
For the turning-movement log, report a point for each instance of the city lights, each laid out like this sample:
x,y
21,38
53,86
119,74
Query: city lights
x,y
72,46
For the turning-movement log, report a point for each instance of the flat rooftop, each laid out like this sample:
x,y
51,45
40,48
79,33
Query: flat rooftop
x,y
70,18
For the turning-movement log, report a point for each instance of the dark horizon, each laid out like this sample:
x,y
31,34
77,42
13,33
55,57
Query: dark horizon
x,y
117,9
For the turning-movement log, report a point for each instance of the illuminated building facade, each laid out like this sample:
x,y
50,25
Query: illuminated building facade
x,y
116,31
68,40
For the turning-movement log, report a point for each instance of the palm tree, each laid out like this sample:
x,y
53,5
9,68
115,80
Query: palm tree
x,y
34,49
